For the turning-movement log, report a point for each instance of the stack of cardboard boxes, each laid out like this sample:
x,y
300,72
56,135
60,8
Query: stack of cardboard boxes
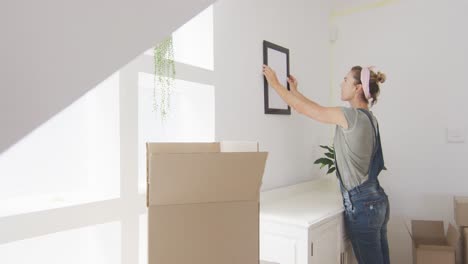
x,y
461,217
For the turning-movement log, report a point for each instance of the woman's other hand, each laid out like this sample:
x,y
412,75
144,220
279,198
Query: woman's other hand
x,y
292,83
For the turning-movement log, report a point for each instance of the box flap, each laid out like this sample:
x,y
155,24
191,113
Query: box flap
x,y
407,223
182,178
428,232
461,210
452,236
178,147
461,199
181,147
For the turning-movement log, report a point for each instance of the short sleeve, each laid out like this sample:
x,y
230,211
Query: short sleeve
x,y
351,117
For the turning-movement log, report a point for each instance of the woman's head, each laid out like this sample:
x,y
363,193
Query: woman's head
x,y
354,88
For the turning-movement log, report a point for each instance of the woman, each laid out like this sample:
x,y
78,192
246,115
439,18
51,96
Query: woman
x,y
358,157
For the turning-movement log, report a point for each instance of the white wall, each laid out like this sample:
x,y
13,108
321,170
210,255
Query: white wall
x,y
52,51
422,48
240,26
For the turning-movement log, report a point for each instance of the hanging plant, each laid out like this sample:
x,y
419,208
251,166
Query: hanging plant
x,y
164,75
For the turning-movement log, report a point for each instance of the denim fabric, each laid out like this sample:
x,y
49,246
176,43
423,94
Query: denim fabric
x,y
367,211
366,217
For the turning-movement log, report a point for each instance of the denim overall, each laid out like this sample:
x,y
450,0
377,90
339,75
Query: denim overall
x,y
367,210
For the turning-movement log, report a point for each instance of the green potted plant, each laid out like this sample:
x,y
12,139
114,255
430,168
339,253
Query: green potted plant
x,y
164,75
328,160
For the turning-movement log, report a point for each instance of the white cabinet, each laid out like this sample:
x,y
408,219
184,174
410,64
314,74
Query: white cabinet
x,y
326,242
321,243
303,224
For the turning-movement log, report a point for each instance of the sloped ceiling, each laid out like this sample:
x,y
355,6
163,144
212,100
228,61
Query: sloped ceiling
x,y
54,51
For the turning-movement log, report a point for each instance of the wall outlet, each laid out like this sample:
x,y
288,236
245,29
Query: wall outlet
x,y
455,135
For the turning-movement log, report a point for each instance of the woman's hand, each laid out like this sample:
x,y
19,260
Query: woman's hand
x,y
292,83
270,76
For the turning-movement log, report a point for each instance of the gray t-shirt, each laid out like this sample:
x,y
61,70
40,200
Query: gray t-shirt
x,y
354,146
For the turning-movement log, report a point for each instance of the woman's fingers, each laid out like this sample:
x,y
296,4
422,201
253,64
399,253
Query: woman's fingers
x,y
270,75
292,83
292,78
268,72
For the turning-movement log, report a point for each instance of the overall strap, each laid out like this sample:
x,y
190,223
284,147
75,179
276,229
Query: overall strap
x,y
376,131
376,163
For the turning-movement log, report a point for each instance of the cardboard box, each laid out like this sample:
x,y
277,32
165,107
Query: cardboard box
x,y
461,210
203,202
431,245
465,245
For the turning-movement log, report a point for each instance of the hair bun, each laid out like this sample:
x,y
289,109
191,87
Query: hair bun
x,y
381,77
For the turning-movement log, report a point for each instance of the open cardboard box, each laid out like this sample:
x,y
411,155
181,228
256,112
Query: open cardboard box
x,y
203,202
461,210
431,245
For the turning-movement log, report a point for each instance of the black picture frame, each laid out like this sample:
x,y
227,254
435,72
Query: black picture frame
x,y
268,109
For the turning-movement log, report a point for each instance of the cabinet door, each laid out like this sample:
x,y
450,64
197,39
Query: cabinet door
x,y
326,243
278,249
283,243
348,254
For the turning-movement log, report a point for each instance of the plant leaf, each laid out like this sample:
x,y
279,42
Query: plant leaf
x,y
323,161
330,155
326,147
331,170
